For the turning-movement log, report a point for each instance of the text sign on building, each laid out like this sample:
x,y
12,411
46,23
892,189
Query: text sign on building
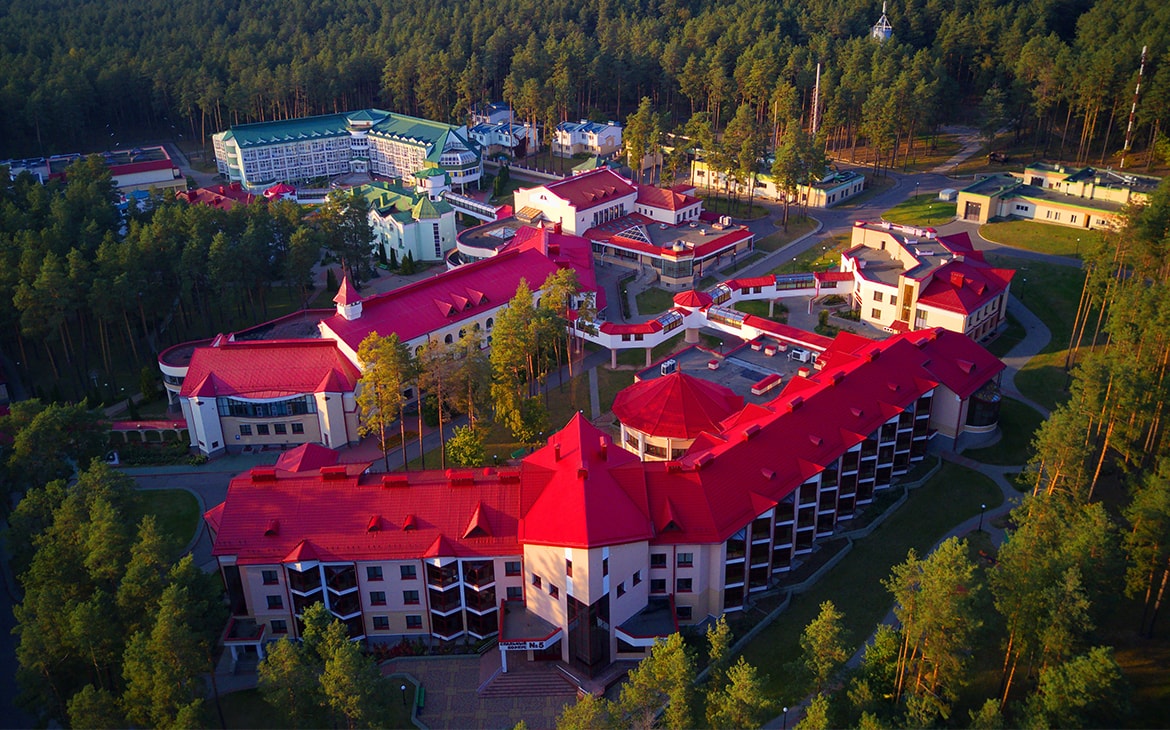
x,y
537,645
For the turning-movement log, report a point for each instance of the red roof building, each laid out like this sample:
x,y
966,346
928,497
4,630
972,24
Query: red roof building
x,y
661,417
224,197
436,554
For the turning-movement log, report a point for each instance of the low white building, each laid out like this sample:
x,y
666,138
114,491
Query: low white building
x,y
573,138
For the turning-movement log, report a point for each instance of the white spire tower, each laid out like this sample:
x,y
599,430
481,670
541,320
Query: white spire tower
x,y
883,30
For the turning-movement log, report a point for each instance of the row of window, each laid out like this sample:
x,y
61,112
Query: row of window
x,y
683,560
298,406
280,429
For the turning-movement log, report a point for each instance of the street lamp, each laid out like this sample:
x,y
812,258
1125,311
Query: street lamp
x,y
784,723
915,189
720,347
794,264
403,688
981,508
1078,246
930,214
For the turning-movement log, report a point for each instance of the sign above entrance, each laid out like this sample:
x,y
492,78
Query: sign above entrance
x,y
531,644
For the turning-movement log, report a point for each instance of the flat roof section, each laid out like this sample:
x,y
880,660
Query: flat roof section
x,y
1031,192
739,369
992,184
520,624
490,236
656,619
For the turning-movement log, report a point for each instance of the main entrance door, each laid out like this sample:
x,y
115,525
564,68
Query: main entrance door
x,y
973,211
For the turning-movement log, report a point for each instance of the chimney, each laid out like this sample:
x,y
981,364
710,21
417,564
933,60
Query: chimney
x,y
557,227
957,279
582,473
604,448
556,452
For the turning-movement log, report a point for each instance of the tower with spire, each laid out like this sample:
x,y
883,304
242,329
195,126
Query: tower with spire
x,y
882,30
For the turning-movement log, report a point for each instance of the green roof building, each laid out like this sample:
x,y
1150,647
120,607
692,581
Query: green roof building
x,y
409,222
370,141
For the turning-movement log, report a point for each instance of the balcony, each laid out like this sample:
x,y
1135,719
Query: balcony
x,y
306,582
346,606
442,578
480,573
341,579
480,601
445,602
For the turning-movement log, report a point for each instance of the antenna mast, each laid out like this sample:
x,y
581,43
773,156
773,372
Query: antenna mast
x,y
816,114
1133,109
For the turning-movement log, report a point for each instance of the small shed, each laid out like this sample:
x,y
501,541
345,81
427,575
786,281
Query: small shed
x,y
948,194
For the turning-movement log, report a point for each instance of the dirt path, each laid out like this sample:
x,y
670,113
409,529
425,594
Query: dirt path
x,y
970,140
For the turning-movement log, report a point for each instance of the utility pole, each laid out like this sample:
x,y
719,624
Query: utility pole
x,y
816,116
1133,109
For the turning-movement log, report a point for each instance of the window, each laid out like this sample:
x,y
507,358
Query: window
x,y
245,429
877,296
875,313
279,626
269,577
893,299
515,593
568,567
684,613
261,429
410,598
373,572
280,429
275,602
684,585
621,590
377,598
657,560
298,428
408,572
553,591
414,622
381,623
658,585
536,581
637,577
686,560
604,567
512,567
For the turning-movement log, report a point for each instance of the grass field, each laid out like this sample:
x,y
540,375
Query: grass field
x,y
823,257
921,210
177,513
654,300
1041,238
248,709
1052,292
734,208
1018,423
760,309
797,227
854,585
1009,338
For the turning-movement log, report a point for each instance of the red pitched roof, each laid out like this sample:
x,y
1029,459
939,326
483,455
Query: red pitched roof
x,y
693,299
332,516
581,490
665,199
590,189
347,294
965,286
467,291
676,405
306,457
268,369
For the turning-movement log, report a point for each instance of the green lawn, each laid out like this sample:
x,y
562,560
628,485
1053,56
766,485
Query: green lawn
x,y
760,309
176,512
654,300
1053,293
247,709
734,208
1018,423
873,186
921,210
1042,238
823,257
1009,338
854,585
797,227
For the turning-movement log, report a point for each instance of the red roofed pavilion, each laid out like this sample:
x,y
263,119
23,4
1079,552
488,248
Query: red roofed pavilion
x,y
663,416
